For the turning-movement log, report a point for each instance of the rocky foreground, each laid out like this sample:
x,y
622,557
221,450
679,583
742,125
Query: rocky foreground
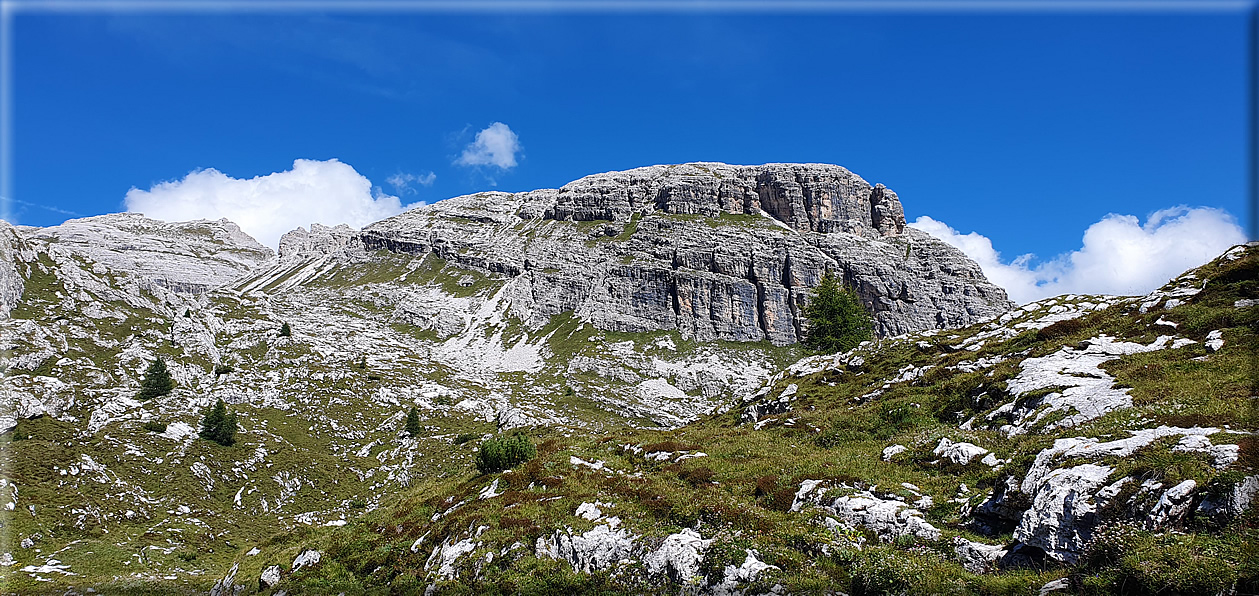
x,y
641,327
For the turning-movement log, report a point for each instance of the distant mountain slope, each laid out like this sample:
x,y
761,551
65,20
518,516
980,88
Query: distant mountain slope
x,y
485,313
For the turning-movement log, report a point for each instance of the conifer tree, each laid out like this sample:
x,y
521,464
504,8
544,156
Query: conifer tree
x,y
413,422
156,382
219,424
837,320
285,330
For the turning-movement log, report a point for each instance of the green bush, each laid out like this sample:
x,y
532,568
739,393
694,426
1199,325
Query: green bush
x,y
223,369
155,426
837,320
462,438
285,330
504,452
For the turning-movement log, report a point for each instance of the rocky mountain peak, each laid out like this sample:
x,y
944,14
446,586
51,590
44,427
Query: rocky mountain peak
x,y
806,197
715,251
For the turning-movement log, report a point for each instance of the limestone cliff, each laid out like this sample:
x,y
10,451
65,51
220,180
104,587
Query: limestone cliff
x,y
711,250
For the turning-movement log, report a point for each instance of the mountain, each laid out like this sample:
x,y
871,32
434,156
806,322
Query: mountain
x,y
642,328
1079,444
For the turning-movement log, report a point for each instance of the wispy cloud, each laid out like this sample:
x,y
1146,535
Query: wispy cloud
x,y
11,215
51,208
1118,255
403,182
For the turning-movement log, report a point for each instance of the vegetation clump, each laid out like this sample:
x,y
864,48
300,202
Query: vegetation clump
x,y
285,330
837,320
219,424
413,428
504,452
155,426
157,381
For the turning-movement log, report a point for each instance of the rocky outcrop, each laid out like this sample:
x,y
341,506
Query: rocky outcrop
x,y
319,241
11,284
711,250
184,257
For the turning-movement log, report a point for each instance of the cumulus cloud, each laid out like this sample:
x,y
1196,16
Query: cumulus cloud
x,y
402,183
265,207
496,145
1119,254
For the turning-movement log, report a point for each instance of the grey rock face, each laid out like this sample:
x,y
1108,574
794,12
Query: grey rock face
x,y
11,285
319,241
185,257
1064,511
711,250
756,411
269,578
1231,503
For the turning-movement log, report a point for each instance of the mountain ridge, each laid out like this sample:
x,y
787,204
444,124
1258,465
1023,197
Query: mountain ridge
x,y
617,344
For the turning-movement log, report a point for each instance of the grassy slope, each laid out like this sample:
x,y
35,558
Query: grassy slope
x,y
739,493
122,528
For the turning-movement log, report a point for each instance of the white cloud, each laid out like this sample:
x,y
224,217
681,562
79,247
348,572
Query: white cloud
x,y
496,145
265,207
402,182
1119,255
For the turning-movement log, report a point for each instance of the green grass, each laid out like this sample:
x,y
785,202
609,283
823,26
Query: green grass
x,y
739,494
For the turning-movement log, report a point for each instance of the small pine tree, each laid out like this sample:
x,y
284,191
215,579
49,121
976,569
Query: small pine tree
x,y
156,382
413,422
285,330
837,320
362,361
219,424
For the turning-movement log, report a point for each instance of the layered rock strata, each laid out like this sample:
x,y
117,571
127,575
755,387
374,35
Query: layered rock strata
x,y
711,250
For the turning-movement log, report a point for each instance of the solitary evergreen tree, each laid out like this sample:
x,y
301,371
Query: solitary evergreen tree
x,y
413,422
285,331
837,320
219,424
157,381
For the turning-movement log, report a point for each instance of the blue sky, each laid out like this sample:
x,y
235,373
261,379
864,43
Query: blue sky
x,y
1026,128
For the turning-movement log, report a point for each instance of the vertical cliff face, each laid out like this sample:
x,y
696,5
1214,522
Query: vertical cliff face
x,y
11,284
806,197
711,250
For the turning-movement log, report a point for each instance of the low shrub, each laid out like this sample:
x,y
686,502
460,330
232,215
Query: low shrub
x,y
504,452
773,495
154,426
1123,559
697,476
1061,329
